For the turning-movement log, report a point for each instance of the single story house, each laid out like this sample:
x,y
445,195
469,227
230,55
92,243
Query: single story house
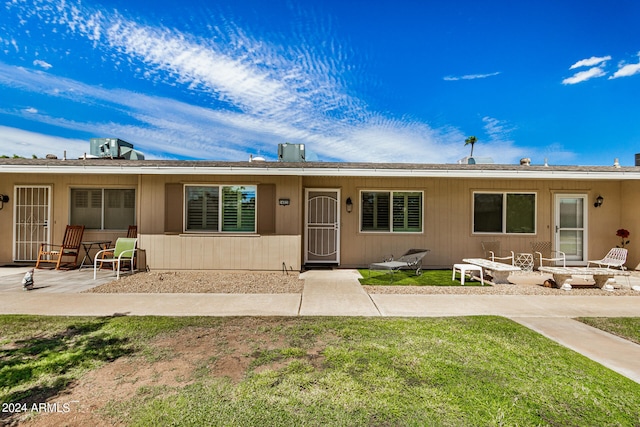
x,y
268,215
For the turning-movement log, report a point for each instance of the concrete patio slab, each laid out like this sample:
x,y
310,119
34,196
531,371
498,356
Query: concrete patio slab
x,y
53,281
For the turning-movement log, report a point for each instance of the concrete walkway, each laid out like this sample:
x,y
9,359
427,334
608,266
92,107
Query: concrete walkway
x,y
338,293
335,293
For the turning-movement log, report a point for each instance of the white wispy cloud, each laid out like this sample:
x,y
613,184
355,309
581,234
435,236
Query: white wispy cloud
x,y
583,76
497,129
626,70
470,76
590,62
263,95
42,64
25,144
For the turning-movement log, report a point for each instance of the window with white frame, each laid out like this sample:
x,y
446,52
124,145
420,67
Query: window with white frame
x,y
504,213
103,208
220,208
391,211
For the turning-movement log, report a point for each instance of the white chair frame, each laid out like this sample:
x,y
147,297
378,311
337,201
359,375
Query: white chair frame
x,y
118,256
492,252
616,258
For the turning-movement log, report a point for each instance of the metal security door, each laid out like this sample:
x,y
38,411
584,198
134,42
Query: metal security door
x,y
32,210
322,224
571,227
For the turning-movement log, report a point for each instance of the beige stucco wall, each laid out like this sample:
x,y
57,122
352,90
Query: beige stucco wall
x,y
448,223
210,251
152,198
630,220
221,252
60,188
447,216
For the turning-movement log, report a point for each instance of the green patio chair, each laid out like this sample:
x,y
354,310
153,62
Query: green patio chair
x,y
124,251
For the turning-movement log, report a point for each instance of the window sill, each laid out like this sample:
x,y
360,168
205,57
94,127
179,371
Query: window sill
x,y
219,235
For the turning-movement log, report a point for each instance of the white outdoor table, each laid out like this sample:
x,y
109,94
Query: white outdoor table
x,y
499,270
600,275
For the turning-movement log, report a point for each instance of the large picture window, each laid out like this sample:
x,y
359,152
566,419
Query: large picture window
x,y
504,213
103,208
226,208
391,211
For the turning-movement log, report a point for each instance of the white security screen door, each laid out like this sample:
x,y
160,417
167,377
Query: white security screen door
x,y
571,227
322,223
31,215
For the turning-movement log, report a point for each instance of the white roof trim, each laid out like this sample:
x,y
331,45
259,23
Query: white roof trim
x,y
515,173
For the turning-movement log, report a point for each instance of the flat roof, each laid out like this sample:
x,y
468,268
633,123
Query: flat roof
x,y
207,167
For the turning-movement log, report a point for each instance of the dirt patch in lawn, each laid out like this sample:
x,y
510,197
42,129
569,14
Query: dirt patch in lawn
x,y
169,363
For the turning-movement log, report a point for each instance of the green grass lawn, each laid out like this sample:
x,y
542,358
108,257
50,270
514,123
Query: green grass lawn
x,y
328,371
625,327
409,278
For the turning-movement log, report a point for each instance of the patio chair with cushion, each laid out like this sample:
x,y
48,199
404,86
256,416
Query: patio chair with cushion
x,y
492,252
132,233
544,253
410,260
615,258
124,251
70,248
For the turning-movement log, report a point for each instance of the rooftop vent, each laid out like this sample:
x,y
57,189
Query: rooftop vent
x,y
256,158
114,148
475,161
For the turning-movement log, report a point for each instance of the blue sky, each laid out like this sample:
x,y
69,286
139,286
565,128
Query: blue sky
x,y
372,81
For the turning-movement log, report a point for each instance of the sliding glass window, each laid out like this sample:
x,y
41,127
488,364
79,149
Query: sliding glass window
x,y
504,213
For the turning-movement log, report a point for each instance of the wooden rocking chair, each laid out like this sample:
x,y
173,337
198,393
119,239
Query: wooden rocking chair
x,y
70,248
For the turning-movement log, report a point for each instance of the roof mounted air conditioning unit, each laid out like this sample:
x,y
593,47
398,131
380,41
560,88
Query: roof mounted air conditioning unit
x,y
291,152
114,148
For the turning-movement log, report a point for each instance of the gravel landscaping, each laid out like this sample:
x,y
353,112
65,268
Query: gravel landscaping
x,y
278,283
205,282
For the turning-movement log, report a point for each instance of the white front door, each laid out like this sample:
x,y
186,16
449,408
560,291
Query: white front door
x,y
32,210
322,226
571,227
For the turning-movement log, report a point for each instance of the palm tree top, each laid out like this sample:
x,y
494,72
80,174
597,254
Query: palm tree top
x,y
471,140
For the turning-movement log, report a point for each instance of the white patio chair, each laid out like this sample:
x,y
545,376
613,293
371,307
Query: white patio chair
x,y
543,252
492,252
615,258
125,250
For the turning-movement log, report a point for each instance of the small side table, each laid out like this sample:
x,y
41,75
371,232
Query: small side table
x,y
464,269
88,246
524,261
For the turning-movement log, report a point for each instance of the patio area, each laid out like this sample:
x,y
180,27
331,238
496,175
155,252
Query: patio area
x,y
53,281
80,280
